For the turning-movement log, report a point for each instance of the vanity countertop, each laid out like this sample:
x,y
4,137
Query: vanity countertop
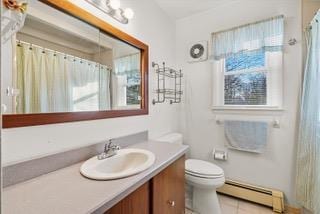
x,y
67,191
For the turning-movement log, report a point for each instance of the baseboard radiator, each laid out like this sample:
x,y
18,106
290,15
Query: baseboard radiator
x,y
268,197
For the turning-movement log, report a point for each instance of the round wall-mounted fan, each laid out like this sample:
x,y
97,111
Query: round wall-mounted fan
x,y
198,51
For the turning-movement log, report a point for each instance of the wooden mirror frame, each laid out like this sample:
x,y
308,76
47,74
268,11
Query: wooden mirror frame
x,y
21,120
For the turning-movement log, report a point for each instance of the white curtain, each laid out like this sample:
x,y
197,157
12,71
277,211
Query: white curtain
x,y
119,91
308,153
126,73
104,88
55,82
127,65
266,34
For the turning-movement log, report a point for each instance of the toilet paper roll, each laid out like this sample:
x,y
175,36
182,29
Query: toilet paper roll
x,y
220,155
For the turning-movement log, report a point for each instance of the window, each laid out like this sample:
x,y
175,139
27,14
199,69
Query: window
x,y
127,84
85,98
133,89
245,79
248,66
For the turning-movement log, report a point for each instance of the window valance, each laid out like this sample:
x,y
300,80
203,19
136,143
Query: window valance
x,y
266,34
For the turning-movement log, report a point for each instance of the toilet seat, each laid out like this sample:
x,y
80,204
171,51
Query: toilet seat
x,y
202,169
203,176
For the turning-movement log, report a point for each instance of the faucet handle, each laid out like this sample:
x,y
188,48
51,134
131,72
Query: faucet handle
x,y
109,145
109,150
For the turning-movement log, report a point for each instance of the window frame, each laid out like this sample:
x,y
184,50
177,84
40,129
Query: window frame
x,y
219,92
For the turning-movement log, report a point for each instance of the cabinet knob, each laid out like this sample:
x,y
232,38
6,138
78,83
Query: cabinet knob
x,y
171,203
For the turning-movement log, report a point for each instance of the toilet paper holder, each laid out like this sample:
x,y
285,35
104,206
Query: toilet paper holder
x,y
220,155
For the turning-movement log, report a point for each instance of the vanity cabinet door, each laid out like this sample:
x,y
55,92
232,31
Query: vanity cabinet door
x,y
168,189
138,202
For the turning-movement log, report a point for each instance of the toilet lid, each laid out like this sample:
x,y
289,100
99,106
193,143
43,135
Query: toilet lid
x,y
204,168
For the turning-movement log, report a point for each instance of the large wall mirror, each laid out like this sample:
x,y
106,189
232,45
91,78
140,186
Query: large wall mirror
x,y
68,65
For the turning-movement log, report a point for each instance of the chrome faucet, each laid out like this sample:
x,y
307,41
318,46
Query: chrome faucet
x,y
109,150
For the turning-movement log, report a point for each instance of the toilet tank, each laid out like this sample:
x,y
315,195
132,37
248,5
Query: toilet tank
x,y
176,138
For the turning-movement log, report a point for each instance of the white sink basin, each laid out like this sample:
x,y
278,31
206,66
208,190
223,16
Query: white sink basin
x,y
125,163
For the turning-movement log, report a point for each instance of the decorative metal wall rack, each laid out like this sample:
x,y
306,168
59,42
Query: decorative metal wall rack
x,y
164,74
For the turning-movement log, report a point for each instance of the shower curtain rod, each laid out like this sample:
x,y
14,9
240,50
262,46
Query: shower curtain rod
x,y
313,19
58,52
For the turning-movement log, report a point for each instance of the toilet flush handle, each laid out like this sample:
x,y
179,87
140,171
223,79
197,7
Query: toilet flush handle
x,y
171,203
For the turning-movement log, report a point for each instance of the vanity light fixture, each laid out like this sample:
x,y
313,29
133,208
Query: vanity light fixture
x,y
112,8
14,5
128,13
114,4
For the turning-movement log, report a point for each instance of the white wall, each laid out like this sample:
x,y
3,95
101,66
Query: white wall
x,y
309,8
274,168
6,75
149,25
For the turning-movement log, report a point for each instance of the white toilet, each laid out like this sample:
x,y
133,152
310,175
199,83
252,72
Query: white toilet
x,y
204,177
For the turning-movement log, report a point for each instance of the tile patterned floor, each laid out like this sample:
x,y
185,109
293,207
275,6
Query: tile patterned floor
x,y
230,205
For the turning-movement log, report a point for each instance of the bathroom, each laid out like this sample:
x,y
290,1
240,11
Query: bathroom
x,y
175,112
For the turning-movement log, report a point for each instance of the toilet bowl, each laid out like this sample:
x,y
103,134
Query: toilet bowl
x,y
204,177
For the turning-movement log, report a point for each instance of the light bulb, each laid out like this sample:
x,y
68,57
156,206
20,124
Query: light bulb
x,y
114,4
128,13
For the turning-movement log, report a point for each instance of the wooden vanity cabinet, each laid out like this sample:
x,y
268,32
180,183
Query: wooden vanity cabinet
x,y
137,202
168,189
163,194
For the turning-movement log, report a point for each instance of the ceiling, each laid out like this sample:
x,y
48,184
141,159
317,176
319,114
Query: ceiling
x,y
182,8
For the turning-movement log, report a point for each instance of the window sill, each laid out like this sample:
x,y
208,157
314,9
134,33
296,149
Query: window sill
x,y
247,108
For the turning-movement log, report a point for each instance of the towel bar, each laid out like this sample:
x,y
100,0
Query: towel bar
x,y
275,122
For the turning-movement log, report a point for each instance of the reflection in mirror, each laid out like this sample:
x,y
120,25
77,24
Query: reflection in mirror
x,y
126,73
70,67
56,69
